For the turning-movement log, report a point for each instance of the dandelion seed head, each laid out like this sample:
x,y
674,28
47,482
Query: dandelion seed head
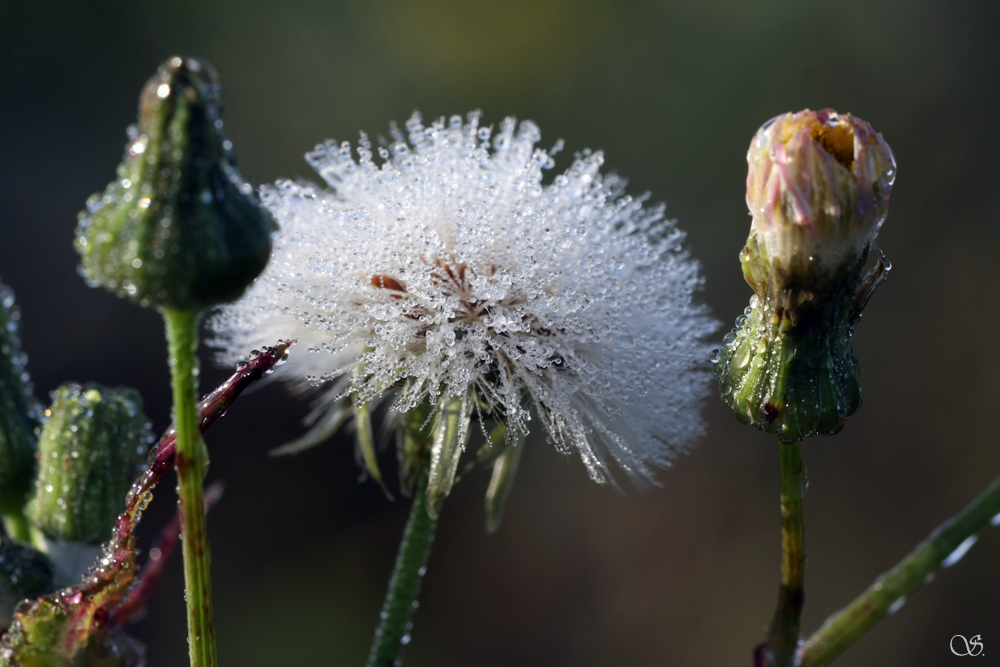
x,y
446,263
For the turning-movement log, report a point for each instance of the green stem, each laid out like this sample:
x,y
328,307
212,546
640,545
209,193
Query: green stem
x,y
895,586
783,635
17,526
393,629
191,465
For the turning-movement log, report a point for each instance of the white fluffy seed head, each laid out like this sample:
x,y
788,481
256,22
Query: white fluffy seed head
x,y
447,265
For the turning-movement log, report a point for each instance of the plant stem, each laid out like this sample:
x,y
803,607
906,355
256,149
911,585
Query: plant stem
x,y
783,635
393,629
893,587
191,465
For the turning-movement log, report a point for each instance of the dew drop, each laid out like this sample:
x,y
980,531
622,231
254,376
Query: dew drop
x,y
960,551
896,606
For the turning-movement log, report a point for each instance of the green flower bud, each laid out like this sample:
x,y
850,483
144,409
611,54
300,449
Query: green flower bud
x,y
24,573
91,449
178,227
19,411
818,189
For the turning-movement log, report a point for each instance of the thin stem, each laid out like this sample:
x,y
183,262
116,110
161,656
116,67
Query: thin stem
x,y
892,589
783,635
191,465
393,629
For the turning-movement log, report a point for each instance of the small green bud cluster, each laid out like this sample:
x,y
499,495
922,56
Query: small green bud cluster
x,y
818,189
91,449
179,227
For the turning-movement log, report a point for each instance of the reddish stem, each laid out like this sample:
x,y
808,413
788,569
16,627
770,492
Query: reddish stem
x,y
135,600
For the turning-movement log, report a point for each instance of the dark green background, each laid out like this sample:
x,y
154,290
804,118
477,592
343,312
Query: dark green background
x,y
578,574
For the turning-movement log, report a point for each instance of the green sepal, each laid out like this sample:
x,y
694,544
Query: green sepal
x,y
788,367
19,412
365,444
504,471
322,430
90,450
412,451
450,428
179,227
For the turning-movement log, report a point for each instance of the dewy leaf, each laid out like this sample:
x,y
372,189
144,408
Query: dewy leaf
x,y
450,429
73,626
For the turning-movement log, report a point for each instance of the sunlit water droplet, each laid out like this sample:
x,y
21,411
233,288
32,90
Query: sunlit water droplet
x,y
960,551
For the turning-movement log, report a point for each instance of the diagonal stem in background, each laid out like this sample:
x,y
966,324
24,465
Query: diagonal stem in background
x,y
83,612
783,635
943,547
133,604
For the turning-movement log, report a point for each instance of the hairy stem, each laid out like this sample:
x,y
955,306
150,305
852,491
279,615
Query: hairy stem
x,y
893,588
783,635
393,629
191,464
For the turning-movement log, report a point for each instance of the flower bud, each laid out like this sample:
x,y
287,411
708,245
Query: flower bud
x,y
90,450
818,190
178,227
19,411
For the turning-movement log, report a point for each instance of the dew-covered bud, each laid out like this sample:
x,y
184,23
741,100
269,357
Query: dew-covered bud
x,y
818,189
179,227
90,450
19,411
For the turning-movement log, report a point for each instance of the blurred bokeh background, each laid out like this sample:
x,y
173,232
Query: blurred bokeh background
x,y
672,91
